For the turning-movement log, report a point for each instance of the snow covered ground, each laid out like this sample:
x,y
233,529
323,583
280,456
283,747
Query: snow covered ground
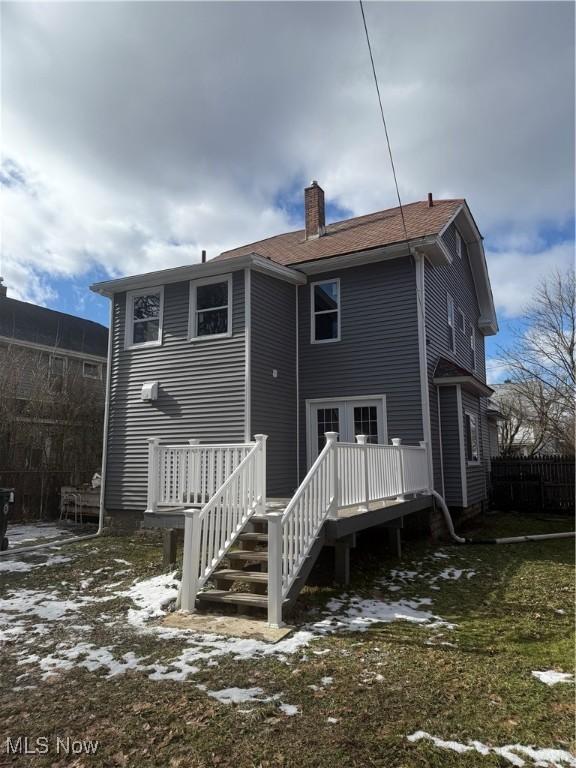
x,y
28,534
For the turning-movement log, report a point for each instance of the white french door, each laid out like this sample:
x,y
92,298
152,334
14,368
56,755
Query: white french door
x,y
348,417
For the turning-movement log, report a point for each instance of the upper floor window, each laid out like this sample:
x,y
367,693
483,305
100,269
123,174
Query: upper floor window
x,y
58,365
451,323
325,311
472,441
211,307
461,321
473,346
91,370
144,317
458,244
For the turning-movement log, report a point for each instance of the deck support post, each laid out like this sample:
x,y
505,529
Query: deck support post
x,y
331,438
395,537
169,547
342,549
153,474
274,569
361,440
190,560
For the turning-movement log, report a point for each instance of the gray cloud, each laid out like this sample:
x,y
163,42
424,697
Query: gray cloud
x,y
147,131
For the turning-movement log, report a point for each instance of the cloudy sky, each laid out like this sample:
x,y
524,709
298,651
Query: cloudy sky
x,y
136,134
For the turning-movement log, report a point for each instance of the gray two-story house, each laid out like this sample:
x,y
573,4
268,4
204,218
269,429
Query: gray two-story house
x,y
371,328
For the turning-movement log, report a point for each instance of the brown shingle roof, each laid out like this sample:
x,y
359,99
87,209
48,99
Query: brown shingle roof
x,y
357,234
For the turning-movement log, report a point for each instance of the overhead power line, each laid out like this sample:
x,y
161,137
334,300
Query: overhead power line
x,y
384,123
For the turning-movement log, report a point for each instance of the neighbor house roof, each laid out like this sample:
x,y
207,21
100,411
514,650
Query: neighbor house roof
x,y
448,372
357,234
29,323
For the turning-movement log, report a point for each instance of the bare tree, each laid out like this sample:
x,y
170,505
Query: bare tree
x,y
542,362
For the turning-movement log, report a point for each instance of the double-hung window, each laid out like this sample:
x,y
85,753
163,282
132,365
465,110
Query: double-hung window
x,y
144,317
211,307
461,321
473,346
472,442
325,311
451,324
58,365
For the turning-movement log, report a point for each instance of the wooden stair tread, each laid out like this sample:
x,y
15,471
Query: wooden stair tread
x,y
227,574
247,554
233,598
260,537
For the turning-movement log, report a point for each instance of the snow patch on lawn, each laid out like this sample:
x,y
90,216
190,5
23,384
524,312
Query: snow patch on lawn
x,y
20,566
358,614
550,677
552,758
19,535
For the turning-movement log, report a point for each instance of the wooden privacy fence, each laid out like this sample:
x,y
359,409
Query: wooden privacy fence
x,y
543,483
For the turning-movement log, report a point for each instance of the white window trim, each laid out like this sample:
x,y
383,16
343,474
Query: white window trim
x,y
129,318
192,335
473,347
313,314
451,320
64,367
458,243
474,417
98,368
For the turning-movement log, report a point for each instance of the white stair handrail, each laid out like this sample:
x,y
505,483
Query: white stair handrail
x,y
292,533
210,532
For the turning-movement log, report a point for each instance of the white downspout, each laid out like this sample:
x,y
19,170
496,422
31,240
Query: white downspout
x,y
72,539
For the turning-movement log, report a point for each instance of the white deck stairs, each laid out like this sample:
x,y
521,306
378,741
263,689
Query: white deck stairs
x,y
238,551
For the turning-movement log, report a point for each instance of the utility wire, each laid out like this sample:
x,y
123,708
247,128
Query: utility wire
x,y
384,124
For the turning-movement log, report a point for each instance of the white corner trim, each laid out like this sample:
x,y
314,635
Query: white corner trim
x,y
297,324
462,445
440,441
423,360
109,358
129,323
192,335
247,353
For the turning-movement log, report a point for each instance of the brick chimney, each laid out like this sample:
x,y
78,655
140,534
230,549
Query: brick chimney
x,y
314,211
3,288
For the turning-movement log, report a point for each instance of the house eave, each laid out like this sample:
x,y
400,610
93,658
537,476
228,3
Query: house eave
x,y
430,246
468,383
192,271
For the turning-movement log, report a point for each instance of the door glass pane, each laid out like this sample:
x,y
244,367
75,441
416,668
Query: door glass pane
x,y
366,422
328,420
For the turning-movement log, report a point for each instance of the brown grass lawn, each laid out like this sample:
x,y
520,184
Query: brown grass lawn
x,y
333,697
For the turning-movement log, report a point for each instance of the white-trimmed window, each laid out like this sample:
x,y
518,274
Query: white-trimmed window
x,y
451,323
144,310
459,244
58,365
325,311
211,307
461,321
472,347
91,370
472,441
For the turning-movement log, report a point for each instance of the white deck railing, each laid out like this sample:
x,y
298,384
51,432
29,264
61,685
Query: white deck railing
x,y
190,473
211,531
343,475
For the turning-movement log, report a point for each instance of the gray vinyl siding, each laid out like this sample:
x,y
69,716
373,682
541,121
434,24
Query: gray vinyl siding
x,y
201,392
475,474
455,280
273,399
451,446
378,350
